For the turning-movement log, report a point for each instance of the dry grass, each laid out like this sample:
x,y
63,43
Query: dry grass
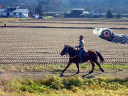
x,y
56,86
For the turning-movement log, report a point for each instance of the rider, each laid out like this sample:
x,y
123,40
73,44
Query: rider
x,y
81,47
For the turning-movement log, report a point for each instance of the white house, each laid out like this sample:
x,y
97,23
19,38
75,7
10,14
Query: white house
x,y
95,14
14,12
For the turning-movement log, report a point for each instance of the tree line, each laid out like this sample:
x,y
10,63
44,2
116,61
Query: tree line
x,y
117,6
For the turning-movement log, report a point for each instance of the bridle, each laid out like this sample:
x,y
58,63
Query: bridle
x,y
66,51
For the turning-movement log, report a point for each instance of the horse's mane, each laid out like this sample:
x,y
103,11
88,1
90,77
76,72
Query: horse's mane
x,y
72,48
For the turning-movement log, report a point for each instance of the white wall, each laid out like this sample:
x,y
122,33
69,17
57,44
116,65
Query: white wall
x,y
3,14
23,15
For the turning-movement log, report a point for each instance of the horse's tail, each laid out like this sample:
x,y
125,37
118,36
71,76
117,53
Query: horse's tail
x,y
100,56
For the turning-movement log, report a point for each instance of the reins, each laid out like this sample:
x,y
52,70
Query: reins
x,y
74,56
69,52
66,51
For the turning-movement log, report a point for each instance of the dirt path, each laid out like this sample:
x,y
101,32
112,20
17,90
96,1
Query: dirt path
x,y
97,74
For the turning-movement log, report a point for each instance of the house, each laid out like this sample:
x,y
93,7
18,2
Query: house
x,y
77,12
14,11
94,14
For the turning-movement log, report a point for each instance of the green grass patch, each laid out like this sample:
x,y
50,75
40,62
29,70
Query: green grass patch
x,y
48,17
4,67
83,66
116,67
58,68
66,86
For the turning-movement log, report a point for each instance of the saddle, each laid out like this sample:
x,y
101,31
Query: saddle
x,y
84,54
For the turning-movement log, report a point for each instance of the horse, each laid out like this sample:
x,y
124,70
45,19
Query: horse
x,y
73,58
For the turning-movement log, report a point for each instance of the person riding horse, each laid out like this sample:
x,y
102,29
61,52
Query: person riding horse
x,y
73,58
81,47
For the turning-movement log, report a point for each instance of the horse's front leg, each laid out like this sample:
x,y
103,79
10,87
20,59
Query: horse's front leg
x,y
77,65
69,63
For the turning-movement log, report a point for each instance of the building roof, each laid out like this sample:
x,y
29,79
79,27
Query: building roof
x,y
14,10
2,10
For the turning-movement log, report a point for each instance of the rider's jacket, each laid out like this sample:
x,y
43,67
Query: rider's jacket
x,y
81,44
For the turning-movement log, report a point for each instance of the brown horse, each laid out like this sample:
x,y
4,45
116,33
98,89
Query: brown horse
x,y
73,58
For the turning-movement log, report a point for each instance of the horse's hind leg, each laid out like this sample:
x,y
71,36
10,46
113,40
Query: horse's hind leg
x,y
99,66
93,65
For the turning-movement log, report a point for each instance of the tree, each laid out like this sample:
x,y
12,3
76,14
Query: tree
x,y
40,10
109,14
118,16
44,2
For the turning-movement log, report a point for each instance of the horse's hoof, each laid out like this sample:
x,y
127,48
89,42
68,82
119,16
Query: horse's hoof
x,y
61,74
102,70
77,72
90,72
83,76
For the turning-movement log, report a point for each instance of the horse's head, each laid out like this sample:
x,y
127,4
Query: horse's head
x,y
65,50
68,50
